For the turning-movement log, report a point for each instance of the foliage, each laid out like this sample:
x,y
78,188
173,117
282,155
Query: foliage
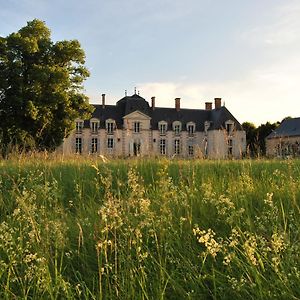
x,y
81,229
40,87
256,136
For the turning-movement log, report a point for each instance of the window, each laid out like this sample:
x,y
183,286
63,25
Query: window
x,y
162,127
110,143
162,147
190,127
177,147
78,145
177,127
136,127
94,145
79,126
94,126
191,150
110,126
229,127
230,145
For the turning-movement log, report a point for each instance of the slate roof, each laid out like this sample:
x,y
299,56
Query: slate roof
x,y
288,127
129,104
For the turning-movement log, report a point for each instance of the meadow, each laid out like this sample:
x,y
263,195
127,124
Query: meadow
x,y
81,228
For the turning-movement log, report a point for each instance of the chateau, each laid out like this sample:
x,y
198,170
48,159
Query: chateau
x,y
134,128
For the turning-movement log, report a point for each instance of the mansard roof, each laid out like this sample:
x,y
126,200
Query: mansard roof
x,y
129,104
288,128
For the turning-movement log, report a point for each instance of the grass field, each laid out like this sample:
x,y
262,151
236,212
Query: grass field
x,y
85,229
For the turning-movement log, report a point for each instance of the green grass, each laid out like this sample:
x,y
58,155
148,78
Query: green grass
x,y
149,229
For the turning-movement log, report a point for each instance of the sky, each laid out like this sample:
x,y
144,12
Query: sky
x,y
246,52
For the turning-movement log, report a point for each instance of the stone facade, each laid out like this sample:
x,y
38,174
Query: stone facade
x,y
285,140
133,128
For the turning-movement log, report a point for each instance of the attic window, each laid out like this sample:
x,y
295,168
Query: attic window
x,y
162,127
110,126
190,127
229,125
79,126
94,125
177,127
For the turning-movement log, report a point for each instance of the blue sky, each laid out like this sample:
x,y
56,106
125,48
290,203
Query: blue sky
x,y
245,51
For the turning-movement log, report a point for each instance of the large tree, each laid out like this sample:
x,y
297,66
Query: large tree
x,y
41,88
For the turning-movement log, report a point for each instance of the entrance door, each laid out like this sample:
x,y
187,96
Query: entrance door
x,y
136,148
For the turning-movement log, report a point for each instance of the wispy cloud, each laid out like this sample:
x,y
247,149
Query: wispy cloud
x,y
283,30
266,94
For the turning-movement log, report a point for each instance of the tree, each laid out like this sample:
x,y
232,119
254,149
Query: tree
x,y
251,137
41,88
262,132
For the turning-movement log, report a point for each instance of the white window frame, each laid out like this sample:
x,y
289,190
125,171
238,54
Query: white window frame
x,y
79,126
163,146
177,127
110,143
177,147
110,126
162,127
94,145
78,145
136,127
94,124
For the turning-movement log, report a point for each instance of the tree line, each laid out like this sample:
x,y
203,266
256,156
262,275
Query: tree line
x,y
256,137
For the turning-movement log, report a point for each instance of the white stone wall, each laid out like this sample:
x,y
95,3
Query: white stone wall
x,y
217,142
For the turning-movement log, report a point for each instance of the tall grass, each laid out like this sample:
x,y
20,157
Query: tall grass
x,y
85,229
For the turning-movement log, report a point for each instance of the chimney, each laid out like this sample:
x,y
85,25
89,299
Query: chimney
x,y
218,102
153,103
103,100
208,105
177,104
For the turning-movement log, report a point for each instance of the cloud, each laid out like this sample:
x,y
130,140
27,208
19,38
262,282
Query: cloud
x,y
265,94
282,30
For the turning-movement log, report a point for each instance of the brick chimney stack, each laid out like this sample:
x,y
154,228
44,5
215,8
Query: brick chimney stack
x,y
208,105
153,103
218,102
177,104
103,100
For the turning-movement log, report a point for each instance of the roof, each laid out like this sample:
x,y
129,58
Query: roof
x,y
129,104
288,127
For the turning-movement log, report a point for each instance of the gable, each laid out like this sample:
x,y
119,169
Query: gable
x,y
137,115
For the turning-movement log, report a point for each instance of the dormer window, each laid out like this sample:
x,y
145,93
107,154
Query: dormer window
x,y
190,128
79,126
177,127
94,125
207,125
110,126
229,125
162,127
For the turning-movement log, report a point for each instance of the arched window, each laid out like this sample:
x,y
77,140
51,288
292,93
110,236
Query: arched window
x,y
191,128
